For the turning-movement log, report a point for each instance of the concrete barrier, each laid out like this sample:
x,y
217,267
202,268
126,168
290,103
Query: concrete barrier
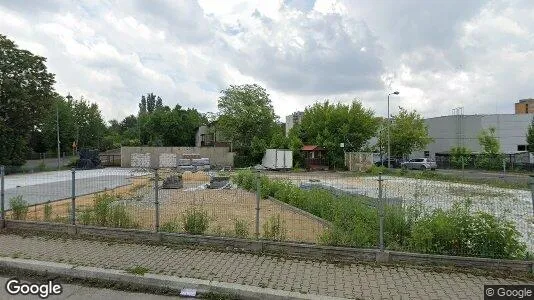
x,y
218,156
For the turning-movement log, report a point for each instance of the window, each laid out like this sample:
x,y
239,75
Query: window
x,y
526,108
521,147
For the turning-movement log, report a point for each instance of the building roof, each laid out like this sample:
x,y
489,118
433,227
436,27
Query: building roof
x,y
312,148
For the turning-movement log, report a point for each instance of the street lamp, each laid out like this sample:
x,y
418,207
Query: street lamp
x,y
389,125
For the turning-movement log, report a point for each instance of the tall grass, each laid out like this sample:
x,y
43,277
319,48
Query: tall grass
x,y
19,208
105,213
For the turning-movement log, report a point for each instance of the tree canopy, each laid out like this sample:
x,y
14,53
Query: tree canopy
x,y
408,133
328,125
245,113
26,92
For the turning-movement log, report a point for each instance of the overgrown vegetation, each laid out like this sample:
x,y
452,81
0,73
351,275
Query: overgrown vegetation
x,y
196,221
241,228
19,207
106,213
355,220
47,212
274,228
138,270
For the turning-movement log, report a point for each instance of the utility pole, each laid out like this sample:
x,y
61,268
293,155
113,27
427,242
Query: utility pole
x,y
57,129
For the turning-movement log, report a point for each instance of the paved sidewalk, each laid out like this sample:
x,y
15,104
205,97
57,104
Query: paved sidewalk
x,y
321,278
77,292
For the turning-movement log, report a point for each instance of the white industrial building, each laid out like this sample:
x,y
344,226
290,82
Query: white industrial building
x,y
463,130
292,120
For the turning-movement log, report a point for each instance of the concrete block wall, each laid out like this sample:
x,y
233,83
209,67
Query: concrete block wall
x,y
167,160
140,160
218,156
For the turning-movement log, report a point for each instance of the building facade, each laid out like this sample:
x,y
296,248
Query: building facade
x,y
292,120
525,106
463,130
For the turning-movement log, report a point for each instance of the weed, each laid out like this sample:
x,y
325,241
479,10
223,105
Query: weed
x,y
274,228
138,270
171,226
195,221
48,212
241,228
19,207
106,214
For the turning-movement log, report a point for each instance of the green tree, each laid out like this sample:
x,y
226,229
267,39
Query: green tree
x,y
328,125
491,158
408,133
245,113
26,93
530,136
489,141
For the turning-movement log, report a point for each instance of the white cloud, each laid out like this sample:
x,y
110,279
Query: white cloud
x,y
438,54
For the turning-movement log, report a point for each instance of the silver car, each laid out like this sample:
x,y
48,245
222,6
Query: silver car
x,y
419,164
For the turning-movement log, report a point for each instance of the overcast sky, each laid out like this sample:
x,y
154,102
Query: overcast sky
x,y
439,54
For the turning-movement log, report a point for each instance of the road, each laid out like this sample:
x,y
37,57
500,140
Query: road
x,y
491,175
73,292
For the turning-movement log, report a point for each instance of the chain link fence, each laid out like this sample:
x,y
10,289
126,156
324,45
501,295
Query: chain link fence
x,y
326,208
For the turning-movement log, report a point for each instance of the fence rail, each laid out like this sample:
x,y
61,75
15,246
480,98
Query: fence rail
x,y
327,208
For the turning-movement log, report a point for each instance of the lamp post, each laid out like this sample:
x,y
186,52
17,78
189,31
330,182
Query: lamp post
x,y
389,125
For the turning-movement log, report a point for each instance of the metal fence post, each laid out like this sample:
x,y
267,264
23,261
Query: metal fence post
x,y
73,194
381,210
2,195
258,196
156,197
531,183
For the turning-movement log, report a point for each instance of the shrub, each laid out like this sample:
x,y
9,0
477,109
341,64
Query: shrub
x,y
42,167
274,228
196,221
19,208
241,228
459,232
48,212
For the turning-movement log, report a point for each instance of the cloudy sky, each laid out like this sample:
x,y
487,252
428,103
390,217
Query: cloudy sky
x,y
439,54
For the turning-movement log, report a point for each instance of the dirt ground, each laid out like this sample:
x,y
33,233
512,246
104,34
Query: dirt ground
x,y
224,208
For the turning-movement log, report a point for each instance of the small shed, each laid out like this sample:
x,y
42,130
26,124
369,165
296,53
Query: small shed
x,y
314,157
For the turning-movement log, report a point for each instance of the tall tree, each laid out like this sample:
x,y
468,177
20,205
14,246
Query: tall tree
x,y
142,106
328,125
489,141
26,93
530,136
408,133
245,112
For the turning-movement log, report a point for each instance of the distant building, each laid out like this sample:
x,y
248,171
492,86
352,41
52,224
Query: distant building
x,y
292,120
463,130
525,106
209,136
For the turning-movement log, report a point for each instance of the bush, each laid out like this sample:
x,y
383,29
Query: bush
x,y
19,208
196,221
458,232
48,212
274,228
241,228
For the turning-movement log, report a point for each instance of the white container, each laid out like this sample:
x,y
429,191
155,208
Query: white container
x,y
278,159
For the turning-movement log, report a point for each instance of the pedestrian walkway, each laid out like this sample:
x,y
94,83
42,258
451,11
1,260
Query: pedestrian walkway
x,y
360,281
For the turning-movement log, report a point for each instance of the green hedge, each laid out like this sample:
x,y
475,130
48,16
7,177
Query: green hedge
x,y
456,231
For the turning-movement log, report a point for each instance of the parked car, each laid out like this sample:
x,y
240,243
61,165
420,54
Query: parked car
x,y
419,164
395,163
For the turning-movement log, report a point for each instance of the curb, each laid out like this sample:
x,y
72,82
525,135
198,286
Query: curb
x,y
151,281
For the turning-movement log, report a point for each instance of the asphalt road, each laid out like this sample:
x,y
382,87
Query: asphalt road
x,y
74,292
480,174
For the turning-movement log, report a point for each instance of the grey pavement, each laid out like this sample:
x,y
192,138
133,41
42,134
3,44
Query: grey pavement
x,y
360,281
490,175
